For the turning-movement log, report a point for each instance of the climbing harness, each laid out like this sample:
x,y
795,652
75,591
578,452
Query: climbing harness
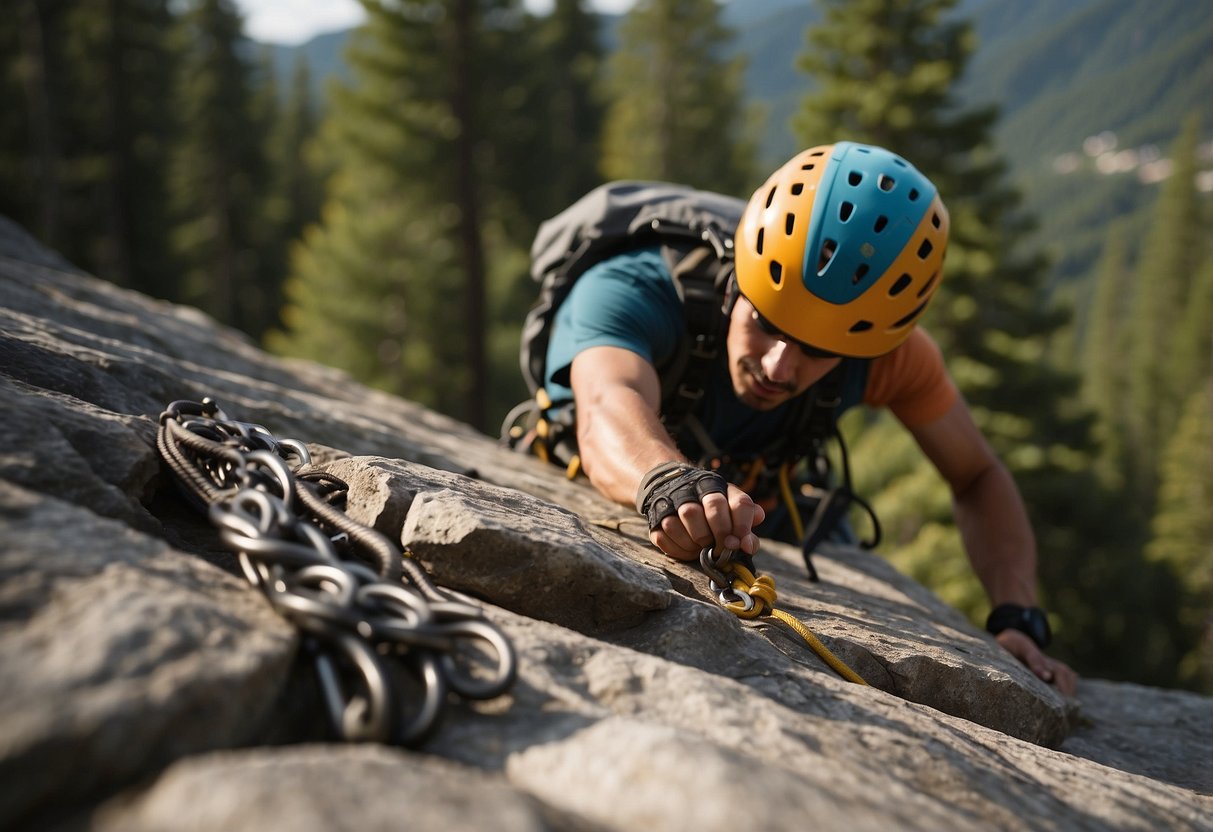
x,y
372,617
748,596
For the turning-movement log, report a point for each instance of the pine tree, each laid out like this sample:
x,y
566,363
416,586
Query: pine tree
x,y
677,110
1173,253
219,171
1104,348
37,95
552,136
1183,530
16,120
86,130
1194,335
886,73
566,121
297,185
393,284
294,188
125,89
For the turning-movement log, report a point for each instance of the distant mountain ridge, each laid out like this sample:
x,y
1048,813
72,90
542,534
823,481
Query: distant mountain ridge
x,y
324,55
1127,70
1060,71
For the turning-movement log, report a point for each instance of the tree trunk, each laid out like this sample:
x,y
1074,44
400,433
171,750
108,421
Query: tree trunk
x,y
42,92
468,196
118,260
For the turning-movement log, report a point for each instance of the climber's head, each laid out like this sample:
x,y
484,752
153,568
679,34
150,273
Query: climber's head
x,y
842,249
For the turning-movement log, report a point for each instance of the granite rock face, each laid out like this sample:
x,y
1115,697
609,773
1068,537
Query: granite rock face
x,y
148,685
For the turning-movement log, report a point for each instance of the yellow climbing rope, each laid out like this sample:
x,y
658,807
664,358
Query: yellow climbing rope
x,y
762,590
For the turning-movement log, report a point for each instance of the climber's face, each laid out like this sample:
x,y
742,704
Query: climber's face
x,y
768,368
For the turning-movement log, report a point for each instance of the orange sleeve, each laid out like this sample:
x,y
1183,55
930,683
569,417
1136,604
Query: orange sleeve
x,y
912,381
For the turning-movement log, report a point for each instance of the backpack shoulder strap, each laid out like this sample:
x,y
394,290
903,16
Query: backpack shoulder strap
x,y
700,276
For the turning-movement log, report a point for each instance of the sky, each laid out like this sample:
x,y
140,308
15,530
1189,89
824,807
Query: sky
x,y
295,21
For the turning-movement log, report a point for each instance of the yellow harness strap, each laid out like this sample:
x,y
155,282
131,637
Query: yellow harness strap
x,y
574,467
785,489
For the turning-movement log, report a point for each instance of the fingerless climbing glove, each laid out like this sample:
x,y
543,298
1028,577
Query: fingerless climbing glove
x,y
672,484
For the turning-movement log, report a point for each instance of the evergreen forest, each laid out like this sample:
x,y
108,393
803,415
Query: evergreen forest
x,y
377,215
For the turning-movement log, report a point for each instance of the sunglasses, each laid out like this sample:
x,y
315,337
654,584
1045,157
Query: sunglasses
x,y
770,329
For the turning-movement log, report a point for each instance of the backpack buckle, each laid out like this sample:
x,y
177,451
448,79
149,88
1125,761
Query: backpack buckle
x,y
703,346
690,391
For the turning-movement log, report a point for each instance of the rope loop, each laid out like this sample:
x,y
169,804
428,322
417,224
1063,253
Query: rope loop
x,y
748,596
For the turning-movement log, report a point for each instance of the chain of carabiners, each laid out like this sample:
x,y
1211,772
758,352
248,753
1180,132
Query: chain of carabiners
x,y
376,623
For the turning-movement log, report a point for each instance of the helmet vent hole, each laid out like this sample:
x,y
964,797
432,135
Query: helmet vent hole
x,y
886,183
828,247
924,250
900,285
861,326
770,197
758,247
809,166
935,220
928,285
797,189
860,272
913,194
909,319
881,222
789,223
854,178
845,210
776,272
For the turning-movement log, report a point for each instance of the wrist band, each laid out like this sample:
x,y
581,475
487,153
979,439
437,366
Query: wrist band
x,y
1031,621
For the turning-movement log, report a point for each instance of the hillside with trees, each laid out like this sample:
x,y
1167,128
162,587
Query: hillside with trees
x,y
382,226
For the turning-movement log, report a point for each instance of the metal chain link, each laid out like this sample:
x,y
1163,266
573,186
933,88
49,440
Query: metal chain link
x,y
373,636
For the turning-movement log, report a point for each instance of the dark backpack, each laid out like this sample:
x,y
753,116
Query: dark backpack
x,y
695,229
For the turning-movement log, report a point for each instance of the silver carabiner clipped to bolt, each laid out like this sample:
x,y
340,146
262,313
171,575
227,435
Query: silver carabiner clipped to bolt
x,y
726,595
713,565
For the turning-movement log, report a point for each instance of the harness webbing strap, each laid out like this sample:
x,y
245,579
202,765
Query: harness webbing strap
x,y
697,275
822,419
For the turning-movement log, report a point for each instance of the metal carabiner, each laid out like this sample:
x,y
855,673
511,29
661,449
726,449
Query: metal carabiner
x,y
465,683
363,715
293,447
746,601
725,590
713,565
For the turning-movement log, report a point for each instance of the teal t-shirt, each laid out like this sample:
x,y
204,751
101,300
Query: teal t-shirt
x,y
626,301
630,301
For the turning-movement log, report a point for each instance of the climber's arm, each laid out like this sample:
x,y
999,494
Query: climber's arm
x,y
620,437
994,526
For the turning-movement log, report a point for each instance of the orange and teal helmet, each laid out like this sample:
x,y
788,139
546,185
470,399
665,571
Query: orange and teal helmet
x,y
842,248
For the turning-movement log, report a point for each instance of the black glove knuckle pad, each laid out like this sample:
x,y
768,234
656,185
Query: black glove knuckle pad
x,y
684,494
673,484
710,483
